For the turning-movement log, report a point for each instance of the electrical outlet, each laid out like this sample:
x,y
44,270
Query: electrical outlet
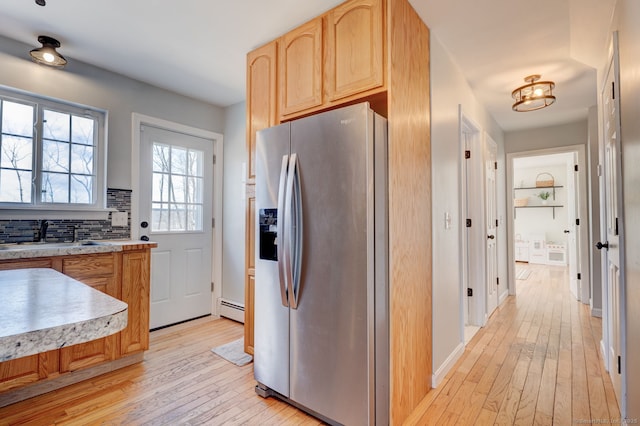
x,y
119,218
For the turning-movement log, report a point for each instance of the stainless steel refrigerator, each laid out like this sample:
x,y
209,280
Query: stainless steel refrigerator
x,y
321,287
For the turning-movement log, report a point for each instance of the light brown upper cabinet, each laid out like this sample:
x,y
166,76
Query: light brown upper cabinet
x,y
261,97
300,68
354,48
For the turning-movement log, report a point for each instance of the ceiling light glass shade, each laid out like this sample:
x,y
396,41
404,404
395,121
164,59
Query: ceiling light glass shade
x,y
47,54
534,95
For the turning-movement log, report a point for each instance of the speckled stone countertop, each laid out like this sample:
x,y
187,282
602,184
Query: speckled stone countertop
x,y
43,310
24,251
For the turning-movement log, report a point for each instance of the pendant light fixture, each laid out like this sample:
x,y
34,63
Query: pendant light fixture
x,y
47,54
533,95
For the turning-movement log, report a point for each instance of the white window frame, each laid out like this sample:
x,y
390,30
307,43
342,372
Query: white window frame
x,y
37,209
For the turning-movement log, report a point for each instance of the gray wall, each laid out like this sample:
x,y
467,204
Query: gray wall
x,y
546,137
233,209
628,12
448,90
119,95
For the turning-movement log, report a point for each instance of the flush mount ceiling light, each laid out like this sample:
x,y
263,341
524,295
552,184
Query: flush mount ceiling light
x,y
534,95
47,54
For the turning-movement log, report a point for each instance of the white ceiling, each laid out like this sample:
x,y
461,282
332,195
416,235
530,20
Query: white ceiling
x,y
198,47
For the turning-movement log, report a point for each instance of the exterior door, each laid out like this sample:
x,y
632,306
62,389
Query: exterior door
x,y
176,171
611,189
491,223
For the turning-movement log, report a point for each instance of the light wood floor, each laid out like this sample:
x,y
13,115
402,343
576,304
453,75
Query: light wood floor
x,y
536,362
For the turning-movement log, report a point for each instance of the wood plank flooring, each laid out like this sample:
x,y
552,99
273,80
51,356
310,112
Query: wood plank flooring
x,y
536,362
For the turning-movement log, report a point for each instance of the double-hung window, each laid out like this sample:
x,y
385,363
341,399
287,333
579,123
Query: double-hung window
x,y
52,154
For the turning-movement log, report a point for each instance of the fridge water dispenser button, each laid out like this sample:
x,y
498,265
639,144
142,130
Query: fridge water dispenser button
x,y
268,235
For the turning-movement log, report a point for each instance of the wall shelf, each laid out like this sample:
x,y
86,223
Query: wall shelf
x,y
554,206
541,188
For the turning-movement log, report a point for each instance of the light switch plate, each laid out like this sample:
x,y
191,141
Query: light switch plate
x,y
119,218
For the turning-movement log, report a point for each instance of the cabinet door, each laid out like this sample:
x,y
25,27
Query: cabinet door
x,y
300,68
354,48
249,285
261,97
136,278
100,271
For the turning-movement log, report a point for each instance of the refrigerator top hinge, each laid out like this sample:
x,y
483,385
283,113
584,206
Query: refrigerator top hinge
x,y
468,223
467,154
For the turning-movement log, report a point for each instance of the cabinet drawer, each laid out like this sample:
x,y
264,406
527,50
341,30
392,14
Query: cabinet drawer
x,y
89,266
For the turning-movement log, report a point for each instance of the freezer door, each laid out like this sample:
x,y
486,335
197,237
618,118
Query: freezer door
x,y
271,328
331,338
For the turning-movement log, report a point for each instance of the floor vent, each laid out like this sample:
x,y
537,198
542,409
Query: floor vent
x,y
232,310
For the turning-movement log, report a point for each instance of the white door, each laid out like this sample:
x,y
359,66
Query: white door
x,y
573,235
491,223
610,247
176,171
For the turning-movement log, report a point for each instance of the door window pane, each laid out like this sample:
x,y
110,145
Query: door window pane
x,y
177,180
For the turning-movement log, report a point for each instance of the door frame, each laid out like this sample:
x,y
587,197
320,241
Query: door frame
x,y
472,242
139,120
585,218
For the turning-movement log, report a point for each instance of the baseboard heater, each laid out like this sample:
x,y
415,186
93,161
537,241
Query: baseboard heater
x,y
232,310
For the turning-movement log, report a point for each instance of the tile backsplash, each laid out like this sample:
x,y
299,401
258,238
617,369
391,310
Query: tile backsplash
x,y
13,231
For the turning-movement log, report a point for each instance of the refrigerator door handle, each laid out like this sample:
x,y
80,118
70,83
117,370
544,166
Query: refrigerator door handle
x,y
280,231
293,221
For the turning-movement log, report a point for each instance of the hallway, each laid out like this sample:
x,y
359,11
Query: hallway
x,y
537,361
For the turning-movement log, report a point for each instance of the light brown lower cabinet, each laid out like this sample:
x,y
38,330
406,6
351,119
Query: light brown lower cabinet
x,y
124,275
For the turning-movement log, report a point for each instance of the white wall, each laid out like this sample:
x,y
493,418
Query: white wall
x,y
119,95
546,137
530,221
235,156
448,90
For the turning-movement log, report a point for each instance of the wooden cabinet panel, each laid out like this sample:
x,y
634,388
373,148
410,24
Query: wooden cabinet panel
x,y
19,372
135,292
354,48
261,97
102,272
300,68
249,287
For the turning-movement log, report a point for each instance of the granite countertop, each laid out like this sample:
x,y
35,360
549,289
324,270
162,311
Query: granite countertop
x,y
28,250
43,310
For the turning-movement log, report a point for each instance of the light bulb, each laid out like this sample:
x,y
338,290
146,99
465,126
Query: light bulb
x,y
48,57
538,92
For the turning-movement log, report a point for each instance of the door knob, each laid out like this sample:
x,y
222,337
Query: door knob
x,y
600,246
144,238
491,237
566,231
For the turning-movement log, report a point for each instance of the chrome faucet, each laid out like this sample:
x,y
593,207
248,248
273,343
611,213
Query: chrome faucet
x,y
42,235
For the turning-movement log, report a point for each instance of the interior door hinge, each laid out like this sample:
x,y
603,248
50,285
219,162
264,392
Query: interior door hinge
x,y
213,286
575,167
613,90
619,364
578,222
214,159
579,276
467,154
616,226
468,223
495,165
497,280
496,223
470,292
213,222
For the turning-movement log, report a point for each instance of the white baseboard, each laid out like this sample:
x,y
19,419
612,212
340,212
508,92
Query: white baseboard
x,y
596,312
232,310
603,353
442,371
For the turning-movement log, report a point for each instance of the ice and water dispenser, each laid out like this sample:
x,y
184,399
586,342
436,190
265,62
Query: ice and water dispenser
x,y
268,235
